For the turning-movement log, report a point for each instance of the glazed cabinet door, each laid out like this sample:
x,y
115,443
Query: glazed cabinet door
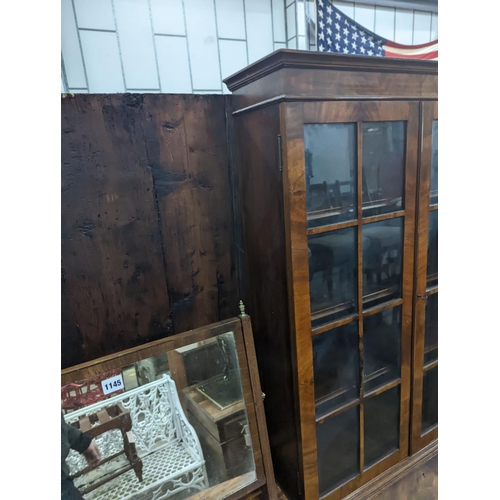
x,y
425,384
350,187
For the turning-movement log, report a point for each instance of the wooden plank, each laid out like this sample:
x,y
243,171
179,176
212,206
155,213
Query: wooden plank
x,y
85,424
257,166
359,191
186,148
111,249
428,114
103,416
272,492
294,188
411,166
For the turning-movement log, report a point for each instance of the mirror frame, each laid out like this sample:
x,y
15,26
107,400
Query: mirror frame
x,y
231,489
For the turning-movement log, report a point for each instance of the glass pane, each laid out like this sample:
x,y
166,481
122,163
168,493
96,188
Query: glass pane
x,y
382,348
382,261
434,164
186,414
338,450
330,159
332,275
383,167
431,329
381,426
336,367
430,400
432,250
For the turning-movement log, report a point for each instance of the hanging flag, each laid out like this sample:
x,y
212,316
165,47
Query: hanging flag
x,y
338,33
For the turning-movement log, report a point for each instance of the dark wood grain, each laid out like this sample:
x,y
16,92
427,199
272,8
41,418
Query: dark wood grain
x,y
303,60
111,242
294,187
261,201
187,152
295,75
318,88
146,220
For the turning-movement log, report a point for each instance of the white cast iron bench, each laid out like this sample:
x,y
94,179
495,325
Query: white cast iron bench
x,y
165,441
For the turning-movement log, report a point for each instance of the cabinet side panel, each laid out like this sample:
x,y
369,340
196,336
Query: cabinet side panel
x,y
261,202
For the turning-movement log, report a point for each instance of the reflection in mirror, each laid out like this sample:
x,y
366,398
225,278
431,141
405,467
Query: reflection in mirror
x,y
330,161
382,261
332,275
171,426
336,368
383,167
434,164
432,250
382,348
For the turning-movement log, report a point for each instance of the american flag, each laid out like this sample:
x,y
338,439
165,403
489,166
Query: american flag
x,y
338,33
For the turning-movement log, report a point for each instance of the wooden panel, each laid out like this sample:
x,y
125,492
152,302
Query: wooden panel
x,y
111,243
429,113
261,200
298,286
187,151
146,220
342,85
292,75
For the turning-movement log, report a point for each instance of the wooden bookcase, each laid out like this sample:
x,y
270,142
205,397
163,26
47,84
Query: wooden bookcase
x,y
336,159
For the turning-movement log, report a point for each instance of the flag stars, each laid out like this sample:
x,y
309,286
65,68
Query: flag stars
x,y
329,20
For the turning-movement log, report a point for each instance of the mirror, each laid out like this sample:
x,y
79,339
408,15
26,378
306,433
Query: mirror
x,y
174,426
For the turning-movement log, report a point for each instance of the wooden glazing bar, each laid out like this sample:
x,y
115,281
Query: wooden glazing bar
x,y
331,227
334,324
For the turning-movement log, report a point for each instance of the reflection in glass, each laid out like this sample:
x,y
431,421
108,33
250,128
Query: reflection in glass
x,y
332,275
330,160
432,250
336,367
382,261
338,449
381,425
383,167
434,164
175,425
382,348
431,329
430,399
